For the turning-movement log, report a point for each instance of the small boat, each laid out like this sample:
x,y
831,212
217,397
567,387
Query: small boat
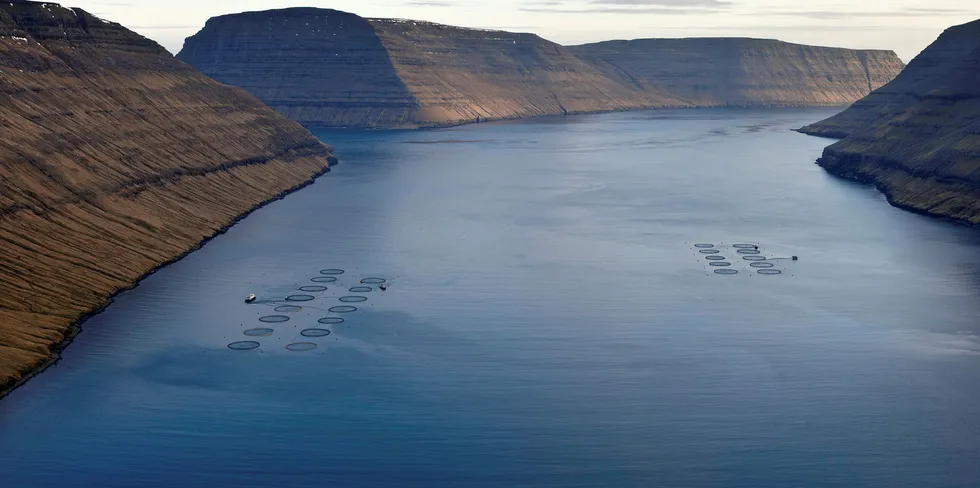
x,y
383,287
250,298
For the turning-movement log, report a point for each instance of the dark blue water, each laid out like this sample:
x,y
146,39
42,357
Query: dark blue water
x,y
549,323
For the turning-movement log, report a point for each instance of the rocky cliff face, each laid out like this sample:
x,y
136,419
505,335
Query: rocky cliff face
x,y
737,72
918,138
115,158
464,75
329,68
316,66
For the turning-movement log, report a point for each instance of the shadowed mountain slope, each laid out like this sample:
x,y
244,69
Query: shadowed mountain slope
x,y
918,138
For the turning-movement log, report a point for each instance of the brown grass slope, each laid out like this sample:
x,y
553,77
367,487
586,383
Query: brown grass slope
x,y
329,68
918,138
115,159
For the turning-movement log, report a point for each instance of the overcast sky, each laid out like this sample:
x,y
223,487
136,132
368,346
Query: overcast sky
x,y
906,26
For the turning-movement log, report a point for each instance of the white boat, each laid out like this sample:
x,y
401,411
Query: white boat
x,y
250,298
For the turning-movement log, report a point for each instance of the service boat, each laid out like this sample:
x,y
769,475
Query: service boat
x,y
250,298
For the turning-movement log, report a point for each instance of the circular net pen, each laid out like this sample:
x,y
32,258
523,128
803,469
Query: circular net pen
x,y
770,271
300,298
274,319
762,264
715,258
745,246
331,320
748,251
704,246
754,258
342,309
315,333
301,346
243,345
312,288
288,308
260,332
331,271
353,299
726,271
324,279
373,281
361,289
709,251
720,264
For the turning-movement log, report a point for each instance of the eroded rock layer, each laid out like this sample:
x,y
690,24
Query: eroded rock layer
x,y
918,138
316,66
115,159
329,68
738,72
465,75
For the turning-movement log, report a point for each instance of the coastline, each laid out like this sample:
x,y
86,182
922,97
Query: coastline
x,y
75,327
947,190
447,125
836,165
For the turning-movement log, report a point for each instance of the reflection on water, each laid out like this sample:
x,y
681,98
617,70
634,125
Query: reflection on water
x,y
549,321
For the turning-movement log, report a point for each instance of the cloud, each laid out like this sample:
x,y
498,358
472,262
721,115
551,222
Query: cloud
x,y
667,3
114,4
941,11
163,27
430,3
844,14
508,28
661,7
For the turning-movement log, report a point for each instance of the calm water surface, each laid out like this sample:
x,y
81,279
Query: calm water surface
x,y
549,323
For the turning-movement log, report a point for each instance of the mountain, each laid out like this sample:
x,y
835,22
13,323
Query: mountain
x,y
736,72
115,159
330,68
918,138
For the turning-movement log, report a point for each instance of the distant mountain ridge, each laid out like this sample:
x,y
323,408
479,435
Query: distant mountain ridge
x,y
329,68
744,72
918,137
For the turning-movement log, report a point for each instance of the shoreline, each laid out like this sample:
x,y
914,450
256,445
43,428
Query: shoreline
x,y
871,181
865,179
447,125
75,327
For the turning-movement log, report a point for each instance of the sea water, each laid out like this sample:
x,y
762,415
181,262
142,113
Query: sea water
x,y
549,321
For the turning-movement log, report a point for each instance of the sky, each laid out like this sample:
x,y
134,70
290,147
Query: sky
x,y
905,26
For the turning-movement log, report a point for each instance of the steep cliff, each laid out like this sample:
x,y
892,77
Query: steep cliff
x,y
329,68
738,72
918,138
316,66
461,75
115,159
